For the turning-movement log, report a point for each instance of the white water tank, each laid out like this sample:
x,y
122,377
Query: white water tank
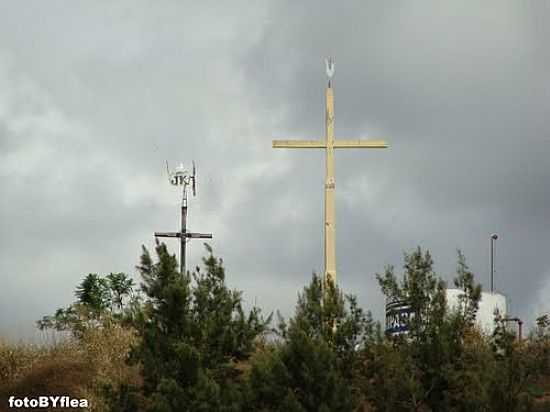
x,y
398,312
488,305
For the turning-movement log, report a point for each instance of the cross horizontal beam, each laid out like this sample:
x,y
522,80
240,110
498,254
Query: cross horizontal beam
x,y
297,144
199,235
187,235
167,234
337,144
359,144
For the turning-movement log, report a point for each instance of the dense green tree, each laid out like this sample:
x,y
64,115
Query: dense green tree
x,y
199,350
470,358
444,363
314,365
195,334
541,338
94,294
431,353
470,296
517,368
97,297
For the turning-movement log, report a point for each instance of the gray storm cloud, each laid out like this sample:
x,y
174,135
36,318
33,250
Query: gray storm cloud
x,y
95,99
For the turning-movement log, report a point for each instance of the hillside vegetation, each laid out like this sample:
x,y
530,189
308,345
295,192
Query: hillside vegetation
x,y
183,342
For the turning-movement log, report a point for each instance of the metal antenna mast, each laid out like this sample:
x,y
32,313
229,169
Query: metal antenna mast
x,y
181,177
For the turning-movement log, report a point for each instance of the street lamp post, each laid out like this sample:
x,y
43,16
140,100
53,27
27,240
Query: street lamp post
x,y
494,237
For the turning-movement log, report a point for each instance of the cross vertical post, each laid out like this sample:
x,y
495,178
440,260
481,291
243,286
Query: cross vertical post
x,y
330,185
329,144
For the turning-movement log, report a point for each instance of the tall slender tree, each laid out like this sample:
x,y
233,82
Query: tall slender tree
x,y
194,334
315,365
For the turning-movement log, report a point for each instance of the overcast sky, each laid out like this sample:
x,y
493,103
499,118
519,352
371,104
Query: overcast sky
x,y
95,96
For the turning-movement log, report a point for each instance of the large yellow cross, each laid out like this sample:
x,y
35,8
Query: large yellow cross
x,y
329,144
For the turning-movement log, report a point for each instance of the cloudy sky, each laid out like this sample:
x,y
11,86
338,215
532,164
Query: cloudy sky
x,y
95,96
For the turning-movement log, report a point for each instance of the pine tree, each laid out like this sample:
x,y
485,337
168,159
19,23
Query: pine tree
x,y
471,293
314,364
194,334
431,354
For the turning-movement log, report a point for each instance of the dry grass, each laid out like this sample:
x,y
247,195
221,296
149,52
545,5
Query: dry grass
x,y
78,369
108,351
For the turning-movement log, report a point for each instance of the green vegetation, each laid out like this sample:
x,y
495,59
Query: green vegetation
x,y
184,342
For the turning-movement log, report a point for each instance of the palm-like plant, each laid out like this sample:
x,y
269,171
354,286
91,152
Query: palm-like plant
x,y
121,286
